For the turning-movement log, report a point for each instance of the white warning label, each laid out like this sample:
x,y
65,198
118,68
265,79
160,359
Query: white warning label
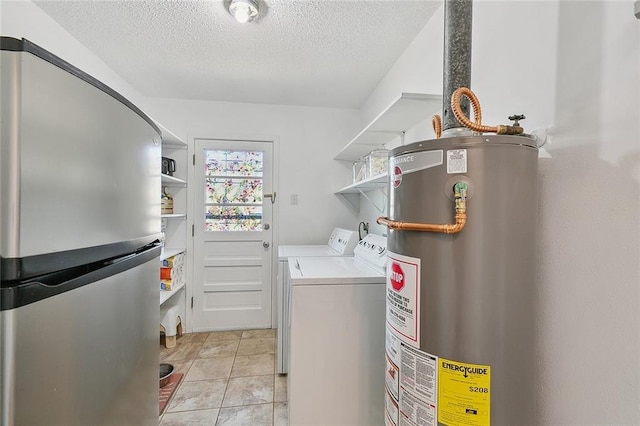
x,y
403,296
418,373
416,411
391,409
457,161
392,344
392,378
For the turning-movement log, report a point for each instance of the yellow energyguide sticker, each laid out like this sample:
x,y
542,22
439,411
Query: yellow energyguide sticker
x,y
464,393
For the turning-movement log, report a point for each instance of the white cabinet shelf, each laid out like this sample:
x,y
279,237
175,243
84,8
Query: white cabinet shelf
x,y
351,194
174,216
172,181
404,112
167,253
170,252
166,295
170,140
376,182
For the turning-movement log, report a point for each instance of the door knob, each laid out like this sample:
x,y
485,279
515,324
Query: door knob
x,y
265,244
266,226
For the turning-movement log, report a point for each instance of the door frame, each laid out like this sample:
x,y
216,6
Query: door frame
x,y
275,223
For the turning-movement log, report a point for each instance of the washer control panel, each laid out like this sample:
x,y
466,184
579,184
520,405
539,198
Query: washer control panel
x,y
372,249
343,241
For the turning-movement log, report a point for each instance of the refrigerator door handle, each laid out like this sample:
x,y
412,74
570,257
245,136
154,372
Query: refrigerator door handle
x,y
16,294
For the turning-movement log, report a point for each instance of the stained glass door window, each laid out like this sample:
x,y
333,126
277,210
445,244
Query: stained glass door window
x,y
233,190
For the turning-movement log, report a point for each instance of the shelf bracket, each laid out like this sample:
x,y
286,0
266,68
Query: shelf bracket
x,y
352,200
382,209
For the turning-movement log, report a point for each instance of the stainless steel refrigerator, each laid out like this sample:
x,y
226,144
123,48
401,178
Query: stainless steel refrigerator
x,y
79,228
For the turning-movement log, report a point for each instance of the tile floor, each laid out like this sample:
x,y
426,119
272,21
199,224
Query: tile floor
x,y
229,379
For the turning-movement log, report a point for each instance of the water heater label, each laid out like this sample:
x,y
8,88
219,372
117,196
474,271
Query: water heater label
x,y
403,296
418,373
414,162
457,161
464,393
416,411
391,409
418,387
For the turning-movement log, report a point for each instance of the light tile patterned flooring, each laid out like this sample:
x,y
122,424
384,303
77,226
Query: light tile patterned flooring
x,y
229,379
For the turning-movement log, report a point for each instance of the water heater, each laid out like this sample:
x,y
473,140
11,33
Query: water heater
x,y
460,288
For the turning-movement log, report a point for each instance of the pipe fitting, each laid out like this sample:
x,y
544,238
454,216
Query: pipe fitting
x,y
509,130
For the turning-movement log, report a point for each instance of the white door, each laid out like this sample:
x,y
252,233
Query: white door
x,y
233,234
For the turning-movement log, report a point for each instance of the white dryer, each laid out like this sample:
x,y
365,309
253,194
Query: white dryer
x,y
341,243
337,337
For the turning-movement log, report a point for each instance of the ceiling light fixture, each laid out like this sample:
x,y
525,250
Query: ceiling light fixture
x,y
243,10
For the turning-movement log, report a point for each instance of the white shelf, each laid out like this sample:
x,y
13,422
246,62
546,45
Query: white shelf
x,y
173,181
351,194
174,216
375,182
408,110
169,139
166,295
170,252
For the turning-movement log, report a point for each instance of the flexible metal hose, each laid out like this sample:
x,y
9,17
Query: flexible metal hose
x,y
500,129
477,112
436,122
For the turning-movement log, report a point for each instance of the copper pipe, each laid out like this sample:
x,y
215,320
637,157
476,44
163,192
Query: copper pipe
x,y
461,220
477,126
436,122
477,112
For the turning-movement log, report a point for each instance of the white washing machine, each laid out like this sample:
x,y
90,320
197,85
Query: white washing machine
x,y
337,337
341,243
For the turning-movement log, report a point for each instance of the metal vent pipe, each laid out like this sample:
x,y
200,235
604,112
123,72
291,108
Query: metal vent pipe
x,y
457,57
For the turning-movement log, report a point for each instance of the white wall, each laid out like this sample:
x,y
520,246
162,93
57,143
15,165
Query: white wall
x,y
308,139
574,68
23,19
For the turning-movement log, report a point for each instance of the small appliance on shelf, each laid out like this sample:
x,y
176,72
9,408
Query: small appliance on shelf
x,y
168,166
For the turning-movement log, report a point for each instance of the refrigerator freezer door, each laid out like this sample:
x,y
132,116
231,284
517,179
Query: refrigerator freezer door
x,y
86,356
80,164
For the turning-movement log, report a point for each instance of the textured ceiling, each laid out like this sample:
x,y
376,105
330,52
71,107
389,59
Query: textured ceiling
x,y
299,52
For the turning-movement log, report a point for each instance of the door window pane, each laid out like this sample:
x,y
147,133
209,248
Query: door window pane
x,y
233,190
233,163
233,218
224,191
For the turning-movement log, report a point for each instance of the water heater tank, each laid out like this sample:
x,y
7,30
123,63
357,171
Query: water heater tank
x,y
460,343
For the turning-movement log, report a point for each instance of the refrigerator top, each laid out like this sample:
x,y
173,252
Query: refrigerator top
x,y
80,164
23,45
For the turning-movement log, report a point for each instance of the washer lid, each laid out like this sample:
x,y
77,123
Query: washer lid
x,y
332,270
285,252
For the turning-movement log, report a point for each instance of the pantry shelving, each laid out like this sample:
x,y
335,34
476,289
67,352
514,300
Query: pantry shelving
x,y
174,224
172,181
170,252
167,294
174,216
